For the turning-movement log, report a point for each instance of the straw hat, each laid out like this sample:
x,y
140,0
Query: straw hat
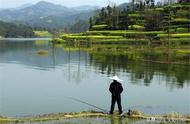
x,y
115,78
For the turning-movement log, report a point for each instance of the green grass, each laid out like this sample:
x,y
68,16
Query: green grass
x,y
121,32
40,42
135,15
136,27
90,37
58,40
179,35
99,27
181,20
135,114
42,33
178,6
159,9
180,41
183,52
182,13
122,41
182,30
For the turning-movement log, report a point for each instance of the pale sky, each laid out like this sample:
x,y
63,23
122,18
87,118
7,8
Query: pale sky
x,y
67,3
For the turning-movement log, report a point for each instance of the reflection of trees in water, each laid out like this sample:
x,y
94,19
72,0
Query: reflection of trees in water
x,y
174,75
75,71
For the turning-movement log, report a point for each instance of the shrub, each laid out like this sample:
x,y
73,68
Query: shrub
x,y
180,21
183,52
182,30
122,41
136,27
135,15
42,33
91,37
58,40
159,9
100,27
179,35
180,41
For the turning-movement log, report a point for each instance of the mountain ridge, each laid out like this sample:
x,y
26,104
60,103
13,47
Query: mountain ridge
x,y
47,15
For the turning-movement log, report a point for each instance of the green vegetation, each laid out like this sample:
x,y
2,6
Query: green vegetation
x,y
90,37
179,35
42,52
136,27
42,34
99,27
59,40
135,114
147,31
14,30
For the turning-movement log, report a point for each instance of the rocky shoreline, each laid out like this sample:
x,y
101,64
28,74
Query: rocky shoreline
x,y
172,117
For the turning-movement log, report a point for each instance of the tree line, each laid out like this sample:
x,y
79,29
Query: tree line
x,y
15,30
147,14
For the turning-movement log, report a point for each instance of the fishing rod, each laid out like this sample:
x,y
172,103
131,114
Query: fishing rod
x,y
105,111
78,100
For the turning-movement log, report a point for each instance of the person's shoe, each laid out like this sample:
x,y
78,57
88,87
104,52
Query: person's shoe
x,y
120,113
111,113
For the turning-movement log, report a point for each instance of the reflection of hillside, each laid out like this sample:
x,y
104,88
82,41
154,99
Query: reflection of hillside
x,y
26,53
74,63
111,64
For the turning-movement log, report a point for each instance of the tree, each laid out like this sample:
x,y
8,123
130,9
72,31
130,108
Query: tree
x,y
90,23
153,20
124,20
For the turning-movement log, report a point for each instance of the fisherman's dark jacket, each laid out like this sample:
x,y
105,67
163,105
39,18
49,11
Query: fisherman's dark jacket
x,y
116,89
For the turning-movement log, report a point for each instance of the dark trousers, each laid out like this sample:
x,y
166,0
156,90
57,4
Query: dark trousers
x,y
113,100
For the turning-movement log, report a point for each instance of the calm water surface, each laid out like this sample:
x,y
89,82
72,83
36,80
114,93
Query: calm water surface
x,y
31,84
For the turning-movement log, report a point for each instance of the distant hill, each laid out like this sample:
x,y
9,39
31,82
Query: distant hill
x,y
24,6
85,8
15,30
47,15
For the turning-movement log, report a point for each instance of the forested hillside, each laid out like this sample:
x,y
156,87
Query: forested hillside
x,y
145,30
48,15
144,16
14,30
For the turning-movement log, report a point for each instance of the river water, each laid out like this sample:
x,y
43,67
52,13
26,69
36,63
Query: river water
x,y
32,84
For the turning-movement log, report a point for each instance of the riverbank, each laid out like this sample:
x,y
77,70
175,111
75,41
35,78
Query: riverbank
x,y
175,55
171,117
154,46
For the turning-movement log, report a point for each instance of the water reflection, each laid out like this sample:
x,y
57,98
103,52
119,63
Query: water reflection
x,y
83,75
87,120
98,120
139,71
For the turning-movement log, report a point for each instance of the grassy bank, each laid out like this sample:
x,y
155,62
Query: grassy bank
x,y
148,46
42,34
170,117
175,55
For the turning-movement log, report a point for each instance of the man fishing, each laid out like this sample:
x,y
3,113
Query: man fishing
x,y
116,90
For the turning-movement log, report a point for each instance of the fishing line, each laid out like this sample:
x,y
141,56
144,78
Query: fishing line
x,y
78,100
